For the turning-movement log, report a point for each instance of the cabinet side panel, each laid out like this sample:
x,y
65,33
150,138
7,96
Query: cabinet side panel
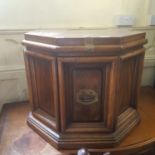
x,y
43,70
42,83
31,78
130,76
126,83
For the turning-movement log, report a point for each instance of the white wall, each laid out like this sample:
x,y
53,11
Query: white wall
x,y
17,17
149,65
12,73
69,13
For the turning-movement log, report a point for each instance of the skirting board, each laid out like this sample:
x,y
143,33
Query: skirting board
x,y
149,61
13,86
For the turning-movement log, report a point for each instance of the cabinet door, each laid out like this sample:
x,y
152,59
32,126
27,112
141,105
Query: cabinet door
x,y
87,90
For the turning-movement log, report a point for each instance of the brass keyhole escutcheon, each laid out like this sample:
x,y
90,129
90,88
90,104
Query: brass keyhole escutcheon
x,y
87,96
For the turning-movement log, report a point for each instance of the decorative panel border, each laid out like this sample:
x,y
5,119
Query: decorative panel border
x,y
110,96
34,94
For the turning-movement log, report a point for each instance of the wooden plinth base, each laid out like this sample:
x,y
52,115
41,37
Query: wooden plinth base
x,y
126,122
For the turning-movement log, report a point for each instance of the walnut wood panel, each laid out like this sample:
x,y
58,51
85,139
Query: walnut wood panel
x,y
130,65
84,74
86,94
44,87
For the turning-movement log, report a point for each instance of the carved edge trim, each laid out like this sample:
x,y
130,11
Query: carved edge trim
x,y
100,140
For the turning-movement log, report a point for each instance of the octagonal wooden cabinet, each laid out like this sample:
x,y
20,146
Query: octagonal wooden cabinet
x,y
83,85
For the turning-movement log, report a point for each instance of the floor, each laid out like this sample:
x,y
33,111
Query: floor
x,y
16,138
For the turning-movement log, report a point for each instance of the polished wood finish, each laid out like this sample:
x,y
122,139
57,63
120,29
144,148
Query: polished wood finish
x,y
84,85
17,138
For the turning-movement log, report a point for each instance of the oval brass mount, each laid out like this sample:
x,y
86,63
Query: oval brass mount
x,y
87,96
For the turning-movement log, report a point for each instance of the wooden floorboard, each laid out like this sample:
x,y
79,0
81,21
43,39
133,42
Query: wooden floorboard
x,y
16,137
